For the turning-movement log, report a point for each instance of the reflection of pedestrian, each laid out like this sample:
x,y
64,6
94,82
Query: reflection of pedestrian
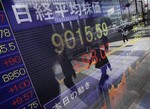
x,y
67,69
102,64
87,45
124,35
105,42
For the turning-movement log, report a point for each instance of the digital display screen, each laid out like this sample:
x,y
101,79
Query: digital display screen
x,y
52,53
14,81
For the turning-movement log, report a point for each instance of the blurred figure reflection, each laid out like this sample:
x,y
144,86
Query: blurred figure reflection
x,y
102,64
67,69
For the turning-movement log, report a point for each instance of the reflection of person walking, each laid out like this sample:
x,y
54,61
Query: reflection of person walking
x,y
67,70
124,35
87,45
105,42
102,64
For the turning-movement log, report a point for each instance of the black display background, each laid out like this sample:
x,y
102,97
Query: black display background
x,y
39,56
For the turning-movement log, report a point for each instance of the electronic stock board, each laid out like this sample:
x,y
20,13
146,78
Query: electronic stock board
x,y
32,35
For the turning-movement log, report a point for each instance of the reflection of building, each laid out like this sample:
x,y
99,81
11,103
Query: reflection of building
x,y
122,10
139,5
131,7
111,9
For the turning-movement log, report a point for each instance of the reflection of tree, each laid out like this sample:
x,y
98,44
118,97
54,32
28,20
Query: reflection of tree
x,y
107,20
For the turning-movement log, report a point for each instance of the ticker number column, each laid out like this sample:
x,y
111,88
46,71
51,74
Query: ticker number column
x,y
16,91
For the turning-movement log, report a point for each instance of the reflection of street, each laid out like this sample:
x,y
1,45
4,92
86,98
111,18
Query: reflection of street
x,y
116,94
132,88
121,93
125,60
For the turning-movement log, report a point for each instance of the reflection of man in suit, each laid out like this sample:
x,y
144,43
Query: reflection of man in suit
x,y
67,69
105,42
102,64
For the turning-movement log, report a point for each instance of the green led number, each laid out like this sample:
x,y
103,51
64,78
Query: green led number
x,y
58,43
11,76
12,46
88,33
3,48
5,78
105,29
98,30
5,33
70,33
80,35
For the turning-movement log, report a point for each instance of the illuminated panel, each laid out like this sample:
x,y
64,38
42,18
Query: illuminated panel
x,y
44,13
16,89
42,39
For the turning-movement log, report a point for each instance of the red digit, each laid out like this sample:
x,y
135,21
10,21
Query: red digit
x,y
17,59
14,88
27,83
11,61
21,85
102,52
19,100
6,62
26,96
2,16
14,103
93,55
31,93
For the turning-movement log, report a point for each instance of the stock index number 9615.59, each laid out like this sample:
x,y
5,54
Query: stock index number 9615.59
x,y
69,38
